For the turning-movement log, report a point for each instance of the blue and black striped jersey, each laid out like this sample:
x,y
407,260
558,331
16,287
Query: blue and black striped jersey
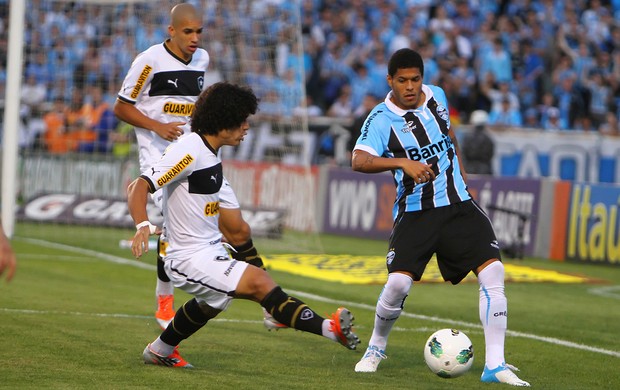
x,y
421,135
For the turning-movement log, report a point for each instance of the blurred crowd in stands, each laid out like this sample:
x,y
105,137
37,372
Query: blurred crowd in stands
x,y
535,64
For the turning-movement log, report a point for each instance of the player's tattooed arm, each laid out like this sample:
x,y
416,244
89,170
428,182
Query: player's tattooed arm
x,y
362,161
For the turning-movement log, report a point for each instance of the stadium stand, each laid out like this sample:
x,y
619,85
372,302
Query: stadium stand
x,y
550,54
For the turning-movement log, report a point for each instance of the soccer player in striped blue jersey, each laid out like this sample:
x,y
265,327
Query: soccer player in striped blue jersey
x,y
409,134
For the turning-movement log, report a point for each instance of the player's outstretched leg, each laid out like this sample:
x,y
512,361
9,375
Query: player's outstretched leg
x,y
292,312
247,252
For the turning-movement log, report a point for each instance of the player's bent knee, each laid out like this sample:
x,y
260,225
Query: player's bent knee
x,y
255,284
398,284
396,290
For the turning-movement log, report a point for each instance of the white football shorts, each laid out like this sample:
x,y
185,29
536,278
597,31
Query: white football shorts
x,y
210,275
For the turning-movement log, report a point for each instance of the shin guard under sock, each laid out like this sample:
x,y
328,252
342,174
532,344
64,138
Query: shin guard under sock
x,y
292,312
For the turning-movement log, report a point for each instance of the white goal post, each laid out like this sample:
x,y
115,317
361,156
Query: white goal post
x,y
11,114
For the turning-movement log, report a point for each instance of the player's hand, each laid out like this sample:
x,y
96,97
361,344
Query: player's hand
x,y
419,171
140,242
169,131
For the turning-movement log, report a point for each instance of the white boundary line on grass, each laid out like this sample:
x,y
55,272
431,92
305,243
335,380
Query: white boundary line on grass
x,y
138,264
606,291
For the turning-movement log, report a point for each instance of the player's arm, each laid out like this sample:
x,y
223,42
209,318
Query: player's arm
x,y
455,142
362,161
127,112
137,198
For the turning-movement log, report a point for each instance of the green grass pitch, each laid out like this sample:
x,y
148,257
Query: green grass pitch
x,y
79,313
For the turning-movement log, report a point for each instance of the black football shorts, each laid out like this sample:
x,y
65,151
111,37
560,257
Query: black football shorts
x,y
461,235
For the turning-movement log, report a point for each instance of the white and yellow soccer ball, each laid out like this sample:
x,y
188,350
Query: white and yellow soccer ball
x,y
449,353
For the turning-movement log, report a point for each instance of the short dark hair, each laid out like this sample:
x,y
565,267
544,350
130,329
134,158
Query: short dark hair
x,y
223,106
405,58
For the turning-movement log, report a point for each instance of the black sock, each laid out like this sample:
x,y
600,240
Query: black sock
x,y
248,253
292,312
188,319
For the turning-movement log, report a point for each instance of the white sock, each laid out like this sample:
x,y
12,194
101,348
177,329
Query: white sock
x,y
161,348
164,288
326,332
493,312
389,306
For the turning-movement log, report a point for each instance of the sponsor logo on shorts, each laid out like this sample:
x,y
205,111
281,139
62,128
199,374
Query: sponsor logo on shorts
x,y
140,83
221,258
495,244
230,267
175,170
390,256
500,314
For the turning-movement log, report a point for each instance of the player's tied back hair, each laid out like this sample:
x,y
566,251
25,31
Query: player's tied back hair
x,y
223,106
403,59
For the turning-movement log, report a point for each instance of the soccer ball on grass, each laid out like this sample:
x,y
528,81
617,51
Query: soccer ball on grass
x,y
449,353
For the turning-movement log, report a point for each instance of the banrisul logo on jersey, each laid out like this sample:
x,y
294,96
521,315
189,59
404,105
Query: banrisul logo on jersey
x,y
428,151
175,170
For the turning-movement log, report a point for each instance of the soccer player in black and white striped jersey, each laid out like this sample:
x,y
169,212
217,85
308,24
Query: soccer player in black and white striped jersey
x,y
157,97
409,134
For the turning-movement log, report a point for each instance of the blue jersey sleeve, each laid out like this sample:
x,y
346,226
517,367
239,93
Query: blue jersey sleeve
x,y
375,132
